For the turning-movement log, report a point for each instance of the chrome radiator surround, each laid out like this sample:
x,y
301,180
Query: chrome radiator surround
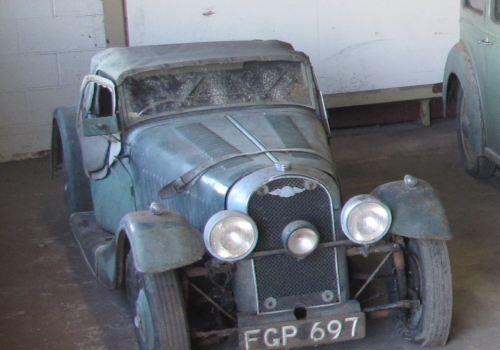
x,y
278,283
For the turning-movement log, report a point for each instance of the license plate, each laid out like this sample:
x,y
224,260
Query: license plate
x,y
309,332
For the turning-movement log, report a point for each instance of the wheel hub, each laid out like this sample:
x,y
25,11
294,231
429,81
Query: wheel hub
x,y
143,320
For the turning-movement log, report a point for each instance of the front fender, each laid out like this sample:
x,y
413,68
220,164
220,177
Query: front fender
x,y
417,211
159,242
162,242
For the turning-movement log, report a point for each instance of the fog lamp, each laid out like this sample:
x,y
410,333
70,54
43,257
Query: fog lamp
x,y
300,238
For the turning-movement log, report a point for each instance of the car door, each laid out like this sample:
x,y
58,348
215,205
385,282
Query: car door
x,y
97,105
491,86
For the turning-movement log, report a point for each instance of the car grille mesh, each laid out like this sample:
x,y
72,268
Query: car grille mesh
x,y
272,212
287,279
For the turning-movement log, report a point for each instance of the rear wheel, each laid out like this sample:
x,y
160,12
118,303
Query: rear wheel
x,y
470,140
428,280
158,309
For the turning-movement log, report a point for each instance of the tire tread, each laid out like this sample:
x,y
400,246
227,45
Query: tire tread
x,y
435,323
165,298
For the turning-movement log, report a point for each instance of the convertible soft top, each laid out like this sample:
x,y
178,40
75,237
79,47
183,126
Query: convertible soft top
x,y
119,63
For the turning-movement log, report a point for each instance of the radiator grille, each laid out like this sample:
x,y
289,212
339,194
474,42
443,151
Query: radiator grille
x,y
272,212
285,278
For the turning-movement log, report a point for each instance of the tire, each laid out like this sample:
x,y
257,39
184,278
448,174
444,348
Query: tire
x,y
157,308
66,151
471,143
428,279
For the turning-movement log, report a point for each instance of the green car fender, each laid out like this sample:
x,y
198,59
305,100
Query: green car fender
x,y
460,72
417,211
160,243
459,68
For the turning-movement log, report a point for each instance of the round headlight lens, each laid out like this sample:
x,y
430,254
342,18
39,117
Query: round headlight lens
x,y
300,238
230,235
365,219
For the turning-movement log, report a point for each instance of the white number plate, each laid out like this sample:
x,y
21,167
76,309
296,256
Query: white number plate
x,y
309,332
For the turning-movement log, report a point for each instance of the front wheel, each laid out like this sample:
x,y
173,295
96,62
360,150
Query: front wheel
x,y
428,280
157,308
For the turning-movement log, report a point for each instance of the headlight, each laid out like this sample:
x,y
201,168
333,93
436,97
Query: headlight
x,y
300,238
365,219
230,235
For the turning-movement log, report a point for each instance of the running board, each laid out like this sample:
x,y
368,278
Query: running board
x,y
98,246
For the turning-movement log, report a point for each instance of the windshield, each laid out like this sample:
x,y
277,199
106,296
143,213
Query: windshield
x,y
162,92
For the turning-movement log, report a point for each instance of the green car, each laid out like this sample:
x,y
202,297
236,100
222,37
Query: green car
x,y
472,87
201,182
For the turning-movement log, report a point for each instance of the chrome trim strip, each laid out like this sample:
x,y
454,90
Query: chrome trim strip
x,y
240,193
256,293
252,138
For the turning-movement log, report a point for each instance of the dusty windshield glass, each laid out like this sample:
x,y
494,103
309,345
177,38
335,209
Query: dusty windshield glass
x,y
158,93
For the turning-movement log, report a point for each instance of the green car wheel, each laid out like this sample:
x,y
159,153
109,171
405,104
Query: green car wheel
x,y
157,309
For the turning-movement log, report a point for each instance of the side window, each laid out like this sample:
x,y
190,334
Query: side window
x,y
497,10
103,102
476,5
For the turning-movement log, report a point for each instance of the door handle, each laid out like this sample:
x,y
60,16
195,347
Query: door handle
x,y
485,42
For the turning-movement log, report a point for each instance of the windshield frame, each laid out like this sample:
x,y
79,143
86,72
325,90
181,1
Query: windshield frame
x,y
307,76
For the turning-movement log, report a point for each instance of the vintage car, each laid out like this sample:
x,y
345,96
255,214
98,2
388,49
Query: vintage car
x,y
471,87
200,179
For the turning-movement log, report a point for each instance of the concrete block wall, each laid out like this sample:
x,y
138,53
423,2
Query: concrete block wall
x,y
45,50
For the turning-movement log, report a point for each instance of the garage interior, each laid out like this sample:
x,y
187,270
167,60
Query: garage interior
x,y
49,298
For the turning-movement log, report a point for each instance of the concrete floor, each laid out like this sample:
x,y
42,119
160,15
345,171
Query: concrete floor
x,y
49,299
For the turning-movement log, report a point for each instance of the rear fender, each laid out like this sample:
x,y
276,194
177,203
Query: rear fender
x,y
459,69
417,211
65,144
460,72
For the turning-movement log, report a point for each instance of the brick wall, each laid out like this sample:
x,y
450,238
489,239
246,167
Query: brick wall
x,y
45,50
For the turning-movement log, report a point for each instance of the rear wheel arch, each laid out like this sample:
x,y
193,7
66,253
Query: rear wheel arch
x,y
460,71
462,99
471,134
65,150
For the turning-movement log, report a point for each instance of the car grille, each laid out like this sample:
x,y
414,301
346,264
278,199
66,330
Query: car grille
x,y
286,279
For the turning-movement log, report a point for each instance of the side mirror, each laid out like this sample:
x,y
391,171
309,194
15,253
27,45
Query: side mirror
x,y
100,126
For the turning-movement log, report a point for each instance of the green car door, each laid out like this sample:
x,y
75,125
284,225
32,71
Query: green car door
x,y
490,81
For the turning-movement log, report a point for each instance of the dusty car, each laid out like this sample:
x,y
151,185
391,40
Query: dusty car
x,y
472,84
200,179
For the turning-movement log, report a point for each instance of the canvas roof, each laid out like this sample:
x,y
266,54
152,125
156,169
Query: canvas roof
x,y
118,63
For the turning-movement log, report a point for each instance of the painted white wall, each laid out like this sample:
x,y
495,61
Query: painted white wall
x,y
354,45
46,45
45,50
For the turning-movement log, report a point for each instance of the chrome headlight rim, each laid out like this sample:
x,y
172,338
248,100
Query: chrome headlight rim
x,y
219,218
296,228
356,202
